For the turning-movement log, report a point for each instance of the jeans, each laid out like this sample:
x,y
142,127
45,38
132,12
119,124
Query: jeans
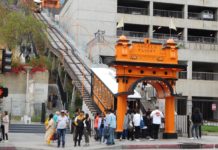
x,y
137,132
79,133
86,134
101,134
61,135
125,133
195,127
155,131
3,131
111,136
96,135
130,134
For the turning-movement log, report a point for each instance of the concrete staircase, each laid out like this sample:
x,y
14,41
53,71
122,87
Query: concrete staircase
x,y
28,128
74,65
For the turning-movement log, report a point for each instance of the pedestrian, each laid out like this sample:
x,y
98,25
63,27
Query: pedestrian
x,y
87,129
197,121
112,126
79,128
61,128
156,116
96,134
54,100
5,122
50,129
2,127
144,129
149,123
55,117
125,127
101,128
130,127
136,121
50,97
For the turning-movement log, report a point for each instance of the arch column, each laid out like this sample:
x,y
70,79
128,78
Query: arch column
x,y
170,132
121,111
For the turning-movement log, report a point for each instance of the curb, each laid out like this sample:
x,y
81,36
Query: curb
x,y
172,146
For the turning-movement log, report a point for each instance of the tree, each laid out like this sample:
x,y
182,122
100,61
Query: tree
x,y
17,28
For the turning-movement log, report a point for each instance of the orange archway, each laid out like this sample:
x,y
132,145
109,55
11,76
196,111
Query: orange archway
x,y
154,63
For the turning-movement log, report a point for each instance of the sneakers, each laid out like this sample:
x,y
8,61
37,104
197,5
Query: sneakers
x,y
151,139
137,140
192,138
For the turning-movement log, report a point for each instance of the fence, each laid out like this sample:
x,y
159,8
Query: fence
x,y
200,16
182,125
202,39
132,10
168,36
132,34
168,13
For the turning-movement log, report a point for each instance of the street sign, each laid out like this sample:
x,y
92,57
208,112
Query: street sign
x,y
213,107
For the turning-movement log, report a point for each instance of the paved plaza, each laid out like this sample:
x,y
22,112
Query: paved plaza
x,y
21,141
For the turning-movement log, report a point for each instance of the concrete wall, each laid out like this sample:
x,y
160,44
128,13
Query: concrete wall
x,y
199,88
16,84
82,18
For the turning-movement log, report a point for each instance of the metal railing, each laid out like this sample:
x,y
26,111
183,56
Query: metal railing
x,y
200,46
168,13
167,36
202,39
132,10
132,33
181,122
204,76
183,75
200,16
199,75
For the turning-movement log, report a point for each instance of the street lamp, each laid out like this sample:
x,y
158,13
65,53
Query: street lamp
x,y
27,101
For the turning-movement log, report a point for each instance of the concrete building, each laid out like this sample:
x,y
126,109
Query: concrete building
x,y
196,34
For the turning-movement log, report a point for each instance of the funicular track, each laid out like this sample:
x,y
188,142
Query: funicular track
x,y
74,66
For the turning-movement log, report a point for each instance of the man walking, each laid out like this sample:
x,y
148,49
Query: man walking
x,y
156,116
136,120
112,126
61,128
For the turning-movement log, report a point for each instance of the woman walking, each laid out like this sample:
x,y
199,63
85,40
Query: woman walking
x,y
50,129
197,120
101,128
5,122
96,134
79,128
87,129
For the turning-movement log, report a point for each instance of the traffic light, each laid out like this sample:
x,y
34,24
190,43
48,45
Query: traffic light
x,y
3,92
6,61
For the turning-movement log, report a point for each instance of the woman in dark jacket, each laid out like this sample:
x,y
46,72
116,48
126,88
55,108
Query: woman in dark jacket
x,y
79,128
197,121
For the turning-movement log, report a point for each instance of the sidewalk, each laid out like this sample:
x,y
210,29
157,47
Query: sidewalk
x,y
21,141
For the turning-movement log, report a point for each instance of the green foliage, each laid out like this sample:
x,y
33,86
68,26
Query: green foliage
x,y
16,27
78,101
36,118
207,128
42,62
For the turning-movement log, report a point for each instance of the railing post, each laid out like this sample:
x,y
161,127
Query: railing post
x,y
188,126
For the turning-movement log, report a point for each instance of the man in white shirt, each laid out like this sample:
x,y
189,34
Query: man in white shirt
x,y
156,116
136,121
61,128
